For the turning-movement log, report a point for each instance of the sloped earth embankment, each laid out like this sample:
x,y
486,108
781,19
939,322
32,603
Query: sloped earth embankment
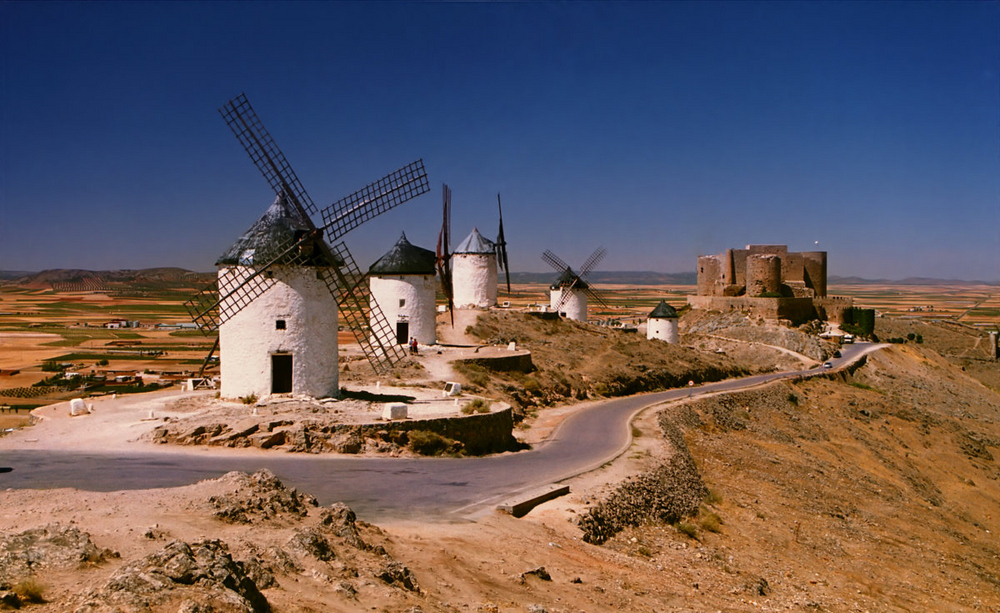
x,y
872,491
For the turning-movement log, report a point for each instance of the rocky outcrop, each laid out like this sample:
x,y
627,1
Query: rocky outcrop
x,y
201,576
52,546
259,497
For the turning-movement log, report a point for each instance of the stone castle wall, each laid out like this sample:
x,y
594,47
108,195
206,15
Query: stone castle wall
x,y
751,272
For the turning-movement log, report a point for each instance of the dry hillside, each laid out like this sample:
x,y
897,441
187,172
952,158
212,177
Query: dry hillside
x,y
575,361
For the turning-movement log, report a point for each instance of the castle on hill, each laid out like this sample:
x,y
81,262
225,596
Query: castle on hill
x,y
768,281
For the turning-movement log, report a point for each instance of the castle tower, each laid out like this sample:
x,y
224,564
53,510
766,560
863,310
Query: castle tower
x,y
574,304
763,274
403,284
662,323
474,272
814,263
285,340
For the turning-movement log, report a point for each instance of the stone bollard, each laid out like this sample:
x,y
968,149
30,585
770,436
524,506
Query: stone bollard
x,y
393,410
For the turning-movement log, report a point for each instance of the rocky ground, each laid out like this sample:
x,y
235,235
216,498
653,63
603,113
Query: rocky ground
x,y
871,491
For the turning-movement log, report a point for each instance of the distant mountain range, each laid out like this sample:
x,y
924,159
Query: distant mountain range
x,y
160,277
62,278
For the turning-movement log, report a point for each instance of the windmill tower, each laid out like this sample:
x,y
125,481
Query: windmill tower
x,y
280,288
403,283
474,272
472,275
569,292
295,317
662,323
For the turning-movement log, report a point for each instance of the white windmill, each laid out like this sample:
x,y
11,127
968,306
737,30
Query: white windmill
x,y
280,287
662,323
568,293
474,272
469,273
403,283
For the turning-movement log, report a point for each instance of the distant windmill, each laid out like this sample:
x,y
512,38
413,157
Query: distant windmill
x,y
569,292
474,263
278,285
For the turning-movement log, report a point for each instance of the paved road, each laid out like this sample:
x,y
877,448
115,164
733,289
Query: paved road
x,y
382,488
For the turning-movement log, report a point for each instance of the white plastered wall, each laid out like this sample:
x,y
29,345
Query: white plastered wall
x,y
474,280
575,305
248,339
662,328
418,293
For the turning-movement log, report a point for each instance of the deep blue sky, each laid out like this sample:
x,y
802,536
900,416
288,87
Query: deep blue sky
x,y
659,130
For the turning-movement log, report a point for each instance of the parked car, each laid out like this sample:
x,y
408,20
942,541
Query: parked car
x,y
827,365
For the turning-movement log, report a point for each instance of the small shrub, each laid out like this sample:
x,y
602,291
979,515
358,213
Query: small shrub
x,y
601,389
426,442
713,497
475,375
476,406
920,339
30,590
250,399
911,336
709,521
531,385
864,386
644,551
688,530
102,362
792,398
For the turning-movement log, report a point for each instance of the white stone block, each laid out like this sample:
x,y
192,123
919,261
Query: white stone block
x,y
77,407
394,410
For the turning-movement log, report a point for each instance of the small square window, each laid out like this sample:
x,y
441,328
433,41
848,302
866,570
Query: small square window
x,y
402,302
279,324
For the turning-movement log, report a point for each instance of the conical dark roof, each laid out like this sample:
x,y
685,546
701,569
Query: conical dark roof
x,y
276,230
567,278
405,259
663,311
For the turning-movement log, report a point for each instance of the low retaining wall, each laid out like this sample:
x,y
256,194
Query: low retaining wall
x,y
519,362
480,433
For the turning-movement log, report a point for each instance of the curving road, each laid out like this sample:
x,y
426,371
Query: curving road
x,y
384,488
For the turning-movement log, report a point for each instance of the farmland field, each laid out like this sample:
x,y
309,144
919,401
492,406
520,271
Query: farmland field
x,y
39,327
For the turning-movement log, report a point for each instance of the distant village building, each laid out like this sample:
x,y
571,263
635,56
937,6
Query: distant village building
x,y
568,296
403,284
662,323
285,340
768,281
474,272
